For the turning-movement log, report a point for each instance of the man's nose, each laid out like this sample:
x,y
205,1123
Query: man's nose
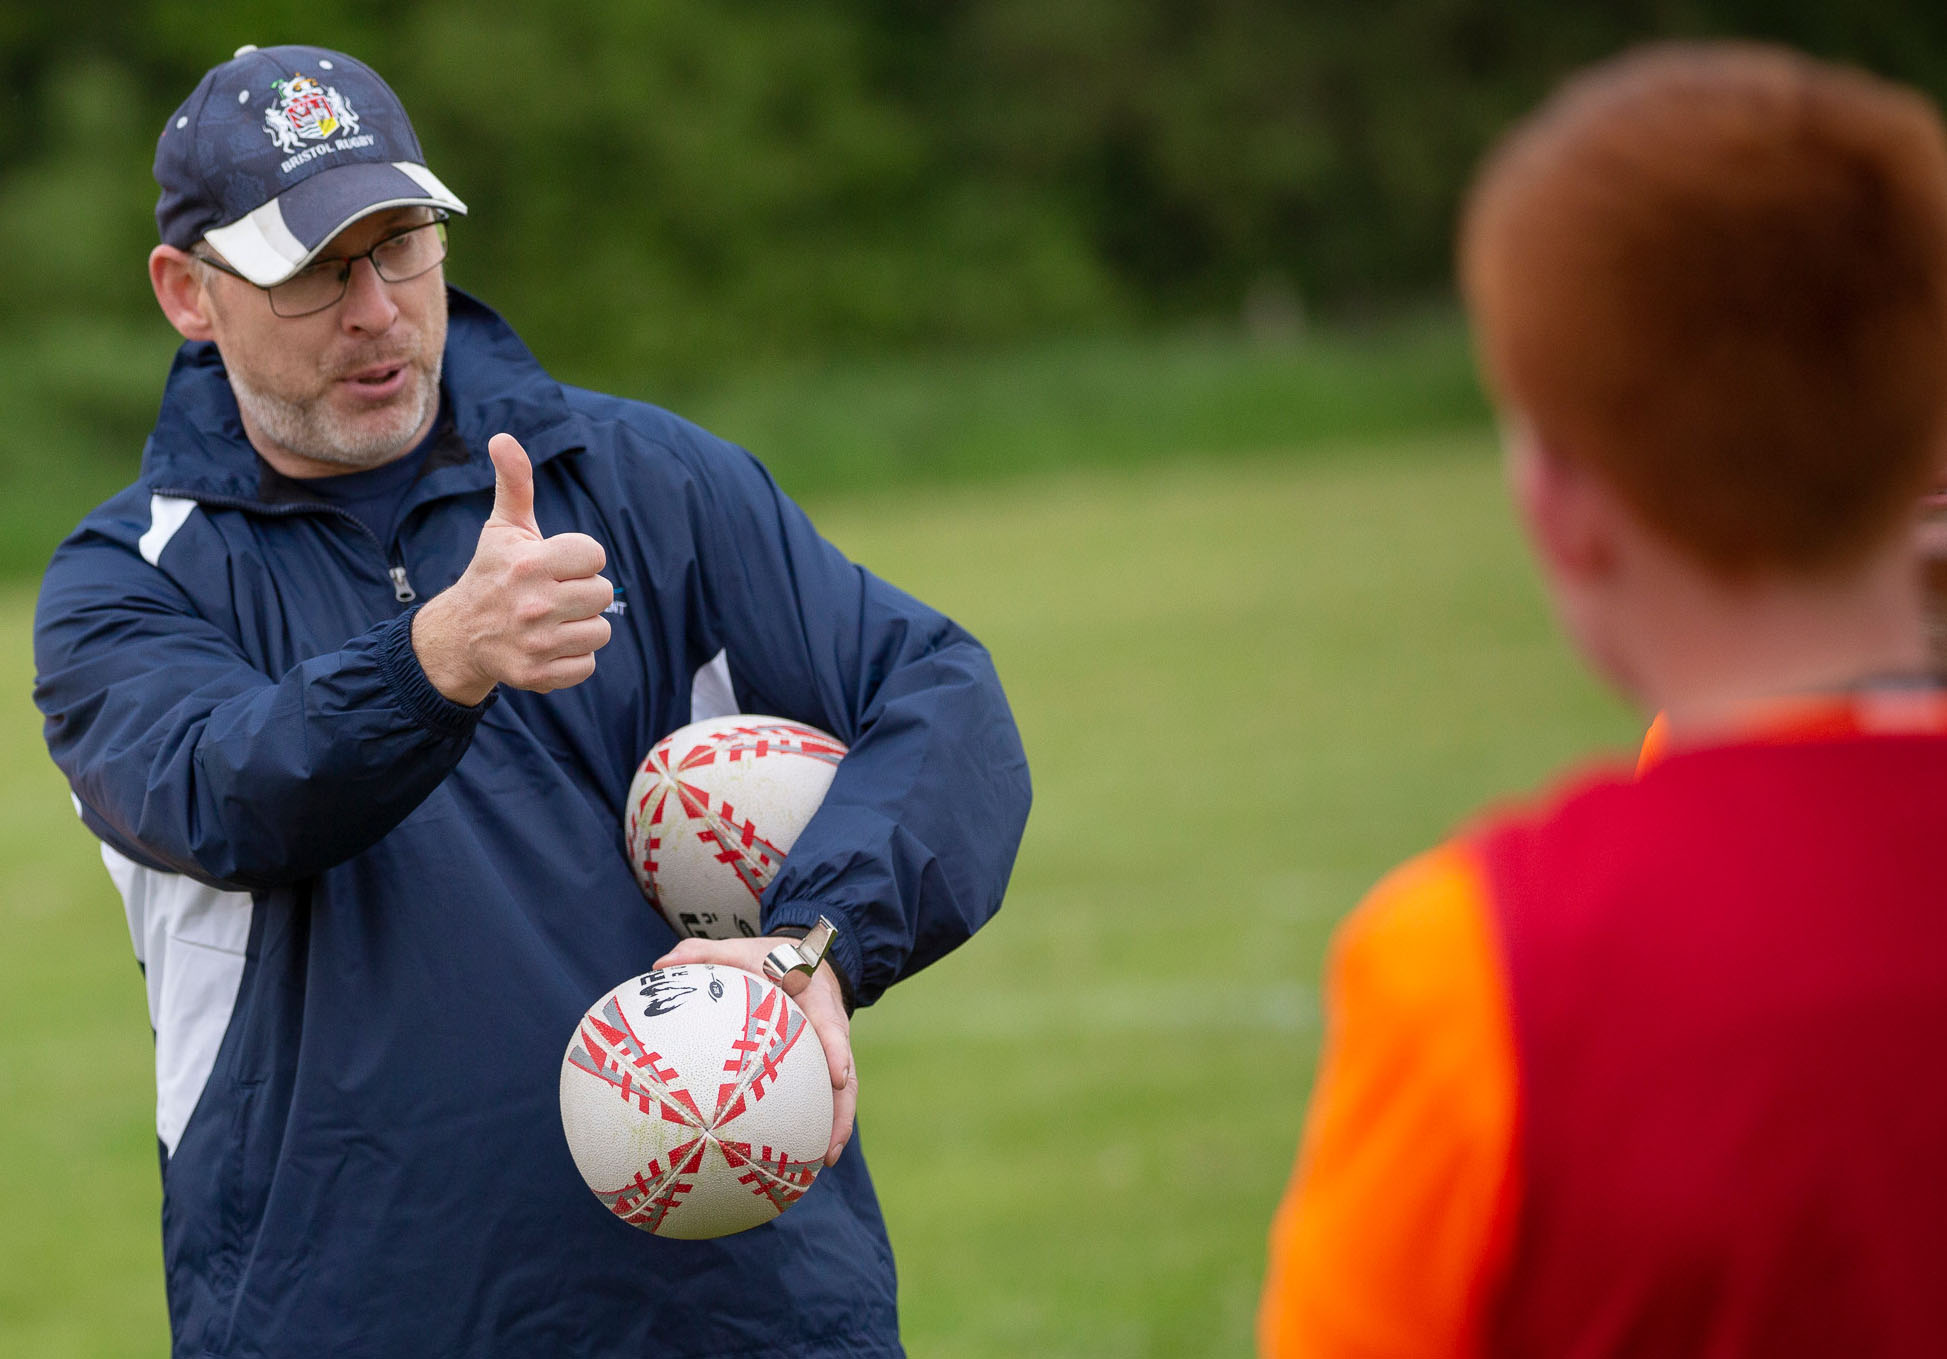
x,y
368,304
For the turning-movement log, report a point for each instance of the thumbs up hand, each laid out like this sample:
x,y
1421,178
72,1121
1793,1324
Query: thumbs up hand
x,y
528,609
513,485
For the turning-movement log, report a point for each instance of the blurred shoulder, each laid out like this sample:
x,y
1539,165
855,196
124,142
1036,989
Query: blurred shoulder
x,y
1416,933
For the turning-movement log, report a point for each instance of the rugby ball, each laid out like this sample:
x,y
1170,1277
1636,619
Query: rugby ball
x,y
713,810
696,1101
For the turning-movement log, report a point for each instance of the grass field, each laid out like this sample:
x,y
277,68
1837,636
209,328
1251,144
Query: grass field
x,y
1246,689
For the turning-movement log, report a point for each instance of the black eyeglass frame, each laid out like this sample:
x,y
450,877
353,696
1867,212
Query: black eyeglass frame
x,y
345,263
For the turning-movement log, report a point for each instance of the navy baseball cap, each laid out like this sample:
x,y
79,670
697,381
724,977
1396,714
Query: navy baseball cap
x,y
281,148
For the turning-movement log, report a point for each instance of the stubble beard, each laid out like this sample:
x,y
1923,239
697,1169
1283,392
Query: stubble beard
x,y
311,429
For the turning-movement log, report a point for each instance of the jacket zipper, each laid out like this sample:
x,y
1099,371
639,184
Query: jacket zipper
x,y
402,589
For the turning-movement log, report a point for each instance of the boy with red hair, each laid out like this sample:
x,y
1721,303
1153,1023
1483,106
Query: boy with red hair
x,y
1653,1068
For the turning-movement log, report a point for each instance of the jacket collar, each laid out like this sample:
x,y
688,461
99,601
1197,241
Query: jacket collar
x,y
490,382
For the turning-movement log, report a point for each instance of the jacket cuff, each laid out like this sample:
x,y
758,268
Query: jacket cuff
x,y
843,954
406,678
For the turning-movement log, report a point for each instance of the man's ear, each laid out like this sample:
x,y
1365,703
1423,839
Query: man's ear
x,y
180,293
1566,510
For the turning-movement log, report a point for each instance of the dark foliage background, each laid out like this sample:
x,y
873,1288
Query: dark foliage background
x,y
876,240
673,188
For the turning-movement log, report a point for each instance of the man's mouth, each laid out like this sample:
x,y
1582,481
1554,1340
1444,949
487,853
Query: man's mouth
x,y
376,380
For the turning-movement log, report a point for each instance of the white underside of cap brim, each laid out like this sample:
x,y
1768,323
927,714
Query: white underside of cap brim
x,y
261,248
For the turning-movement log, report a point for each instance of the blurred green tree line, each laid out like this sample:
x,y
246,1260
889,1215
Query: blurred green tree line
x,y
675,187
667,194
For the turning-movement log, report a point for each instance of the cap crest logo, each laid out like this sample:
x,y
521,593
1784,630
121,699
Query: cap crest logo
x,y
306,112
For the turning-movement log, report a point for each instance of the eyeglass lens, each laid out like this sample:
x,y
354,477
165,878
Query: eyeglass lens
x,y
397,258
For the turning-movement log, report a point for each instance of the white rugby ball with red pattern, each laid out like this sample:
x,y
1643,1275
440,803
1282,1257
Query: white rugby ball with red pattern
x,y
713,810
696,1101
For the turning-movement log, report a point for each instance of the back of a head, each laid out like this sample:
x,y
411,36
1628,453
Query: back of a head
x,y
1717,274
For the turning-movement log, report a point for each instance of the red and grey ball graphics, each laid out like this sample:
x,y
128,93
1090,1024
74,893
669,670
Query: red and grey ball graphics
x,y
696,1101
713,810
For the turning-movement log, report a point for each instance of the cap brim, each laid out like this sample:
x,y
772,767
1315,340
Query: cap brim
x,y
269,245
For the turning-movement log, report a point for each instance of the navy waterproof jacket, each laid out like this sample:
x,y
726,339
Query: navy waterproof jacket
x,y
370,918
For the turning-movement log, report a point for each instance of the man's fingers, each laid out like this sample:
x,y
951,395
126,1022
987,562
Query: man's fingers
x,y
819,997
562,673
698,951
582,598
583,637
571,556
562,640
845,1108
834,1034
513,484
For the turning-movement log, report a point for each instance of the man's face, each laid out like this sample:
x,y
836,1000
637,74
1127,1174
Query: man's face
x,y
355,385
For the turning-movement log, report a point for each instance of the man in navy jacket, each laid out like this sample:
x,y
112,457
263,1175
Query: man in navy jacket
x,y
351,685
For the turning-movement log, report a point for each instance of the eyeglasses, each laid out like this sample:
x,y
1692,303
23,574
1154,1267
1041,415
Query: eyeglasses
x,y
401,256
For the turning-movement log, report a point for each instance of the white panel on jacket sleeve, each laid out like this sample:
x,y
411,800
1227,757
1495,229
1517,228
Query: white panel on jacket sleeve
x,y
190,940
711,694
166,515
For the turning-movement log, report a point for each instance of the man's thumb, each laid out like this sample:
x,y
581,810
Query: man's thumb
x,y
513,483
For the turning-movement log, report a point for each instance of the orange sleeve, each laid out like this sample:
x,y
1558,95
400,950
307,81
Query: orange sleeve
x,y
1396,1227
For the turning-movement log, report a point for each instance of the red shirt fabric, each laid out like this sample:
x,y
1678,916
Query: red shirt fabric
x,y
1728,985
1651,1070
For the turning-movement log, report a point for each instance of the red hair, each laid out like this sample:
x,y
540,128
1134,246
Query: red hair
x,y
1717,273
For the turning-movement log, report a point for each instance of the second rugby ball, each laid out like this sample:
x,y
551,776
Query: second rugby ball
x,y
713,810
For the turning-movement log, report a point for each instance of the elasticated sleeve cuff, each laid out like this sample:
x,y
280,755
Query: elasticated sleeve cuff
x,y
844,953
406,678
